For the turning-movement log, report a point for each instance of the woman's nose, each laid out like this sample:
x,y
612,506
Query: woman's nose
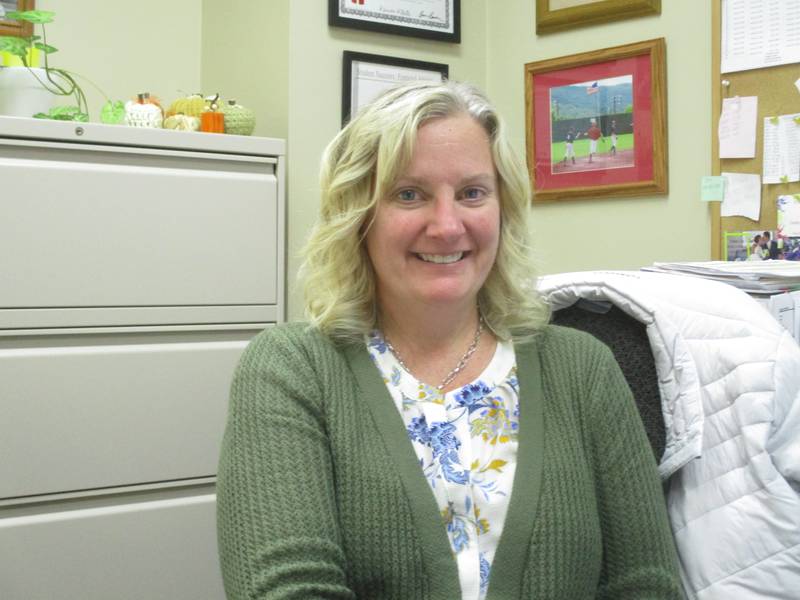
x,y
445,221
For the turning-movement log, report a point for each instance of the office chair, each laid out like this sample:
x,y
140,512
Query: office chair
x,y
628,341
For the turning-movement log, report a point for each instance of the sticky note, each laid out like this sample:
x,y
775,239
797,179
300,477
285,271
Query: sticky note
x,y
712,189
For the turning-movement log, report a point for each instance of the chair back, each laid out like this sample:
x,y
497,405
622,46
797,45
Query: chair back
x,y
628,340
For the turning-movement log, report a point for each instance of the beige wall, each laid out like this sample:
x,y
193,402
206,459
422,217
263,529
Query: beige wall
x,y
127,48
281,58
245,46
605,234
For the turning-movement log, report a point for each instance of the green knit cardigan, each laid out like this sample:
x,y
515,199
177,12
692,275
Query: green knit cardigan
x,y
320,494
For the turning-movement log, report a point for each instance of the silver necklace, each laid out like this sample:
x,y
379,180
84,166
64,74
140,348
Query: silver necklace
x,y
459,366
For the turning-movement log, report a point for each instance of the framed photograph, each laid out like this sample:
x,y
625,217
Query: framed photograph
x,y
364,76
10,26
596,123
556,15
430,19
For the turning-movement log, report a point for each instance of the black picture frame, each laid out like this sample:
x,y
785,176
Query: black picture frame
x,y
345,13
351,59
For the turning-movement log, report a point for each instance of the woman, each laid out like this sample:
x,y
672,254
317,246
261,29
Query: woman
x,y
756,249
428,435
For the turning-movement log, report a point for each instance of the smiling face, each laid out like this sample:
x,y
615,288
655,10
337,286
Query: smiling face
x,y
434,237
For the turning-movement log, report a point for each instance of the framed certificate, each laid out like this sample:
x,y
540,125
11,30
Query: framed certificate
x,y
430,19
365,76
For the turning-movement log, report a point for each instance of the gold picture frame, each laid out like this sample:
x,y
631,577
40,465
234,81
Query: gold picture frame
x,y
579,13
17,28
596,123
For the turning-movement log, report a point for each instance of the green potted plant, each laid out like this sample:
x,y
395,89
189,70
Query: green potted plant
x,y
59,82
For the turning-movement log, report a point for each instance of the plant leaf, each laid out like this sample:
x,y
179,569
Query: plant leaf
x,y
64,113
32,16
14,45
113,113
58,111
47,49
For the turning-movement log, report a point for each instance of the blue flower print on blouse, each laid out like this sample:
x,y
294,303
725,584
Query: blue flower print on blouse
x,y
442,440
485,481
418,430
486,569
456,528
471,396
445,445
495,422
377,343
395,378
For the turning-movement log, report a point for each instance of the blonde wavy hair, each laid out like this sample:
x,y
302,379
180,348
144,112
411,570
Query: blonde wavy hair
x,y
359,167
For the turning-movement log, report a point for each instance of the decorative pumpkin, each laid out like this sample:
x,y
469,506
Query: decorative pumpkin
x,y
182,123
238,119
144,112
191,106
211,119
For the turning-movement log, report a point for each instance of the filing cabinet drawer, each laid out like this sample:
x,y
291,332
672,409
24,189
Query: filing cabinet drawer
x,y
106,228
158,550
90,411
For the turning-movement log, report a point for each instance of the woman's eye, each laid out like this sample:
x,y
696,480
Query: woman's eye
x,y
474,193
407,195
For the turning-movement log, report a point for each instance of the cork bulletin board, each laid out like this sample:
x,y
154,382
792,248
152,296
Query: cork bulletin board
x,y
777,95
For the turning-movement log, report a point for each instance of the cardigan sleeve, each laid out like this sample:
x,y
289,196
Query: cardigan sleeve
x,y
640,562
277,524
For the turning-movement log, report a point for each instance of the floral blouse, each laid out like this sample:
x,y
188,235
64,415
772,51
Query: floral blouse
x,y
466,443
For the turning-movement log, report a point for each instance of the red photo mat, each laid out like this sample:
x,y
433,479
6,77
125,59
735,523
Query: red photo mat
x,y
639,67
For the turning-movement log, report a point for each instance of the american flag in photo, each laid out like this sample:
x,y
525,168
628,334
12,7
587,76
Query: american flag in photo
x,y
593,89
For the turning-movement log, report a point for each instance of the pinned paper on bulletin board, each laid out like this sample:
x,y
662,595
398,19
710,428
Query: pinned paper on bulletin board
x,y
781,149
757,34
742,196
789,216
737,127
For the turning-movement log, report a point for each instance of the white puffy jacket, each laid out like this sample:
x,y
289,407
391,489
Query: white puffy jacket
x,y
729,378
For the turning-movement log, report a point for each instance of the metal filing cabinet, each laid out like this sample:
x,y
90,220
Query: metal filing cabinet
x,y
135,265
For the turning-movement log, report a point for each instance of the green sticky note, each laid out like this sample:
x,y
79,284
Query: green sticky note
x,y
712,189
773,120
796,120
784,179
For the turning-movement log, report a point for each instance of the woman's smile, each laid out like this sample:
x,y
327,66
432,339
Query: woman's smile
x,y
441,258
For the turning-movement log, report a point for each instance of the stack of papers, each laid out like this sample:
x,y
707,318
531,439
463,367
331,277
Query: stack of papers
x,y
755,277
